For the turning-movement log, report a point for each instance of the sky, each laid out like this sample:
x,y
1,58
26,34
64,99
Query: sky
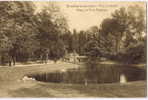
x,y
83,15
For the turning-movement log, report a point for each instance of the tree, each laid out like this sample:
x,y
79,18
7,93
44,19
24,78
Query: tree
x,y
75,41
126,27
135,53
111,34
57,50
67,39
82,40
51,25
92,50
17,26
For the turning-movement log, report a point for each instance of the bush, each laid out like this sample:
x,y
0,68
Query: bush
x,y
133,55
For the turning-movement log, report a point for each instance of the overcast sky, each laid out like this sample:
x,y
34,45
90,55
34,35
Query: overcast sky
x,y
83,15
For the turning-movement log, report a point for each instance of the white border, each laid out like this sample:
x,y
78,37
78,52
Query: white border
x,y
81,0
99,98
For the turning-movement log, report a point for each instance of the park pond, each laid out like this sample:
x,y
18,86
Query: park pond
x,y
20,81
103,73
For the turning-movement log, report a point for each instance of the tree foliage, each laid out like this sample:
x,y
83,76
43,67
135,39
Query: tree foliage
x,y
29,35
125,28
51,24
16,27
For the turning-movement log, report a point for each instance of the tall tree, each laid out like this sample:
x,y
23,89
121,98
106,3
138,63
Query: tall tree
x,y
51,24
17,26
123,28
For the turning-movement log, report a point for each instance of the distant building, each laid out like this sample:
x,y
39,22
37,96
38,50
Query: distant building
x,y
74,58
82,58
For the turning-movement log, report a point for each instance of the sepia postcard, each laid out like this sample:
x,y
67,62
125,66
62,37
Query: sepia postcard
x,y
69,49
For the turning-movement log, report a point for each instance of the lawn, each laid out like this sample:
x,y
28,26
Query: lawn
x,y
12,85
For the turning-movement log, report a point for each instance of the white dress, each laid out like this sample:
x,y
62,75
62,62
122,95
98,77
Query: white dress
x,y
123,78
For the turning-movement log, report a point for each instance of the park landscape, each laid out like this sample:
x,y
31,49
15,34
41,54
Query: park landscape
x,y
71,49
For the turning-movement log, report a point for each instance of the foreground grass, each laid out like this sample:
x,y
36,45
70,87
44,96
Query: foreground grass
x,y
12,85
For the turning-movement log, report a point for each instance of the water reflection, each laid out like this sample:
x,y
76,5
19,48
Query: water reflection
x,y
101,74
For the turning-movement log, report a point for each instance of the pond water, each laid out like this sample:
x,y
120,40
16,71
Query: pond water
x,y
100,74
